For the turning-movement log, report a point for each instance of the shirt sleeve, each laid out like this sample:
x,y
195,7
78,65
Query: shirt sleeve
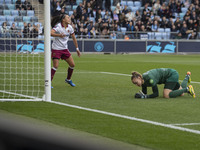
x,y
144,89
155,92
71,30
56,28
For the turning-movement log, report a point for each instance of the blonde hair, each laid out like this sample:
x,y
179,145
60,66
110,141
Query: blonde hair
x,y
135,74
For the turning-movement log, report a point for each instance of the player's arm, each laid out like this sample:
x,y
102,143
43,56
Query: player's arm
x,y
143,94
144,89
155,92
55,34
154,89
76,44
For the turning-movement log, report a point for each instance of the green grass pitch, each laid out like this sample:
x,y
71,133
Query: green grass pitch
x,y
103,83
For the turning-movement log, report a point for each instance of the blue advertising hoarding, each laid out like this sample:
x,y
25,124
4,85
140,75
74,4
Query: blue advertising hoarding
x,y
31,46
71,46
37,46
161,47
99,46
7,45
130,46
189,47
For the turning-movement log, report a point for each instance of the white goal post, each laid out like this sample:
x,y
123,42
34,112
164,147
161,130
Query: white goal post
x,y
47,46
25,53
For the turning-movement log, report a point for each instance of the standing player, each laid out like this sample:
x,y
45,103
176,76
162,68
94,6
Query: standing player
x,y
169,77
61,30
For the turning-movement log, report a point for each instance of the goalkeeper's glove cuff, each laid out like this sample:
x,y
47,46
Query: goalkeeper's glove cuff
x,y
140,95
144,96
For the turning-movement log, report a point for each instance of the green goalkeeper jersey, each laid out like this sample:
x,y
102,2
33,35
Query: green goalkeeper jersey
x,y
158,76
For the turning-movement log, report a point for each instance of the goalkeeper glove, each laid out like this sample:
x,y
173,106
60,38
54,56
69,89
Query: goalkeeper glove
x,y
140,95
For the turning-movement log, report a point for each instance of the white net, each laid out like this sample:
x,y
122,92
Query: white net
x,y
21,50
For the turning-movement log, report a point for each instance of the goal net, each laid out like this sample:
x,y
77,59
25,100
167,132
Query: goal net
x,y
22,58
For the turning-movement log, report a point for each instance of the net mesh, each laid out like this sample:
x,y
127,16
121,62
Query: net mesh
x,y
22,51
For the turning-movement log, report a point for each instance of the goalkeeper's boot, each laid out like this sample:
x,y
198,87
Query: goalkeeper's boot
x,y
189,76
70,82
191,91
52,87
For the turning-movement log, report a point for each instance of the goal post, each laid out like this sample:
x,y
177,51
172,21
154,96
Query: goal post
x,y
47,47
25,57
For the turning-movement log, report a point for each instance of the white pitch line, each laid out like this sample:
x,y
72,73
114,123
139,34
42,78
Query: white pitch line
x,y
21,100
185,124
112,73
84,72
121,74
129,118
21,95
193,82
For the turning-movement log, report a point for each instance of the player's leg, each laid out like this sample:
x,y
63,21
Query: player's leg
x,y
190,87
173,89
71,63
170,92
186,80
55,55
54,68
166,93
191,91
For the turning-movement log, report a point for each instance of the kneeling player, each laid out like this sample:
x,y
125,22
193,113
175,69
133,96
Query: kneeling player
x,y
167,76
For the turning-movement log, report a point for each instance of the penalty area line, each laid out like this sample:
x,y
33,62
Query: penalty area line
x,y
129,118
119,74
185,124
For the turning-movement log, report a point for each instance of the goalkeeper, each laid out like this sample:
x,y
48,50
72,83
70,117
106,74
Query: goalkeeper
x,y
168,77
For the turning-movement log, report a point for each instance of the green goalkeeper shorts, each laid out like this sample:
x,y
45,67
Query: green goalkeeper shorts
x,y
172,82
172,85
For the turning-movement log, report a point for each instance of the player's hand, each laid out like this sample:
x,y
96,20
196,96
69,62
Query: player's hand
x,y
62,35
78,52
140,95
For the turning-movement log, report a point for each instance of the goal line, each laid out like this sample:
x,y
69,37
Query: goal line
x,y
31,98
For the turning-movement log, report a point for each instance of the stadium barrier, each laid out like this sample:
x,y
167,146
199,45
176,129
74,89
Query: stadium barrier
x,y
107,46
